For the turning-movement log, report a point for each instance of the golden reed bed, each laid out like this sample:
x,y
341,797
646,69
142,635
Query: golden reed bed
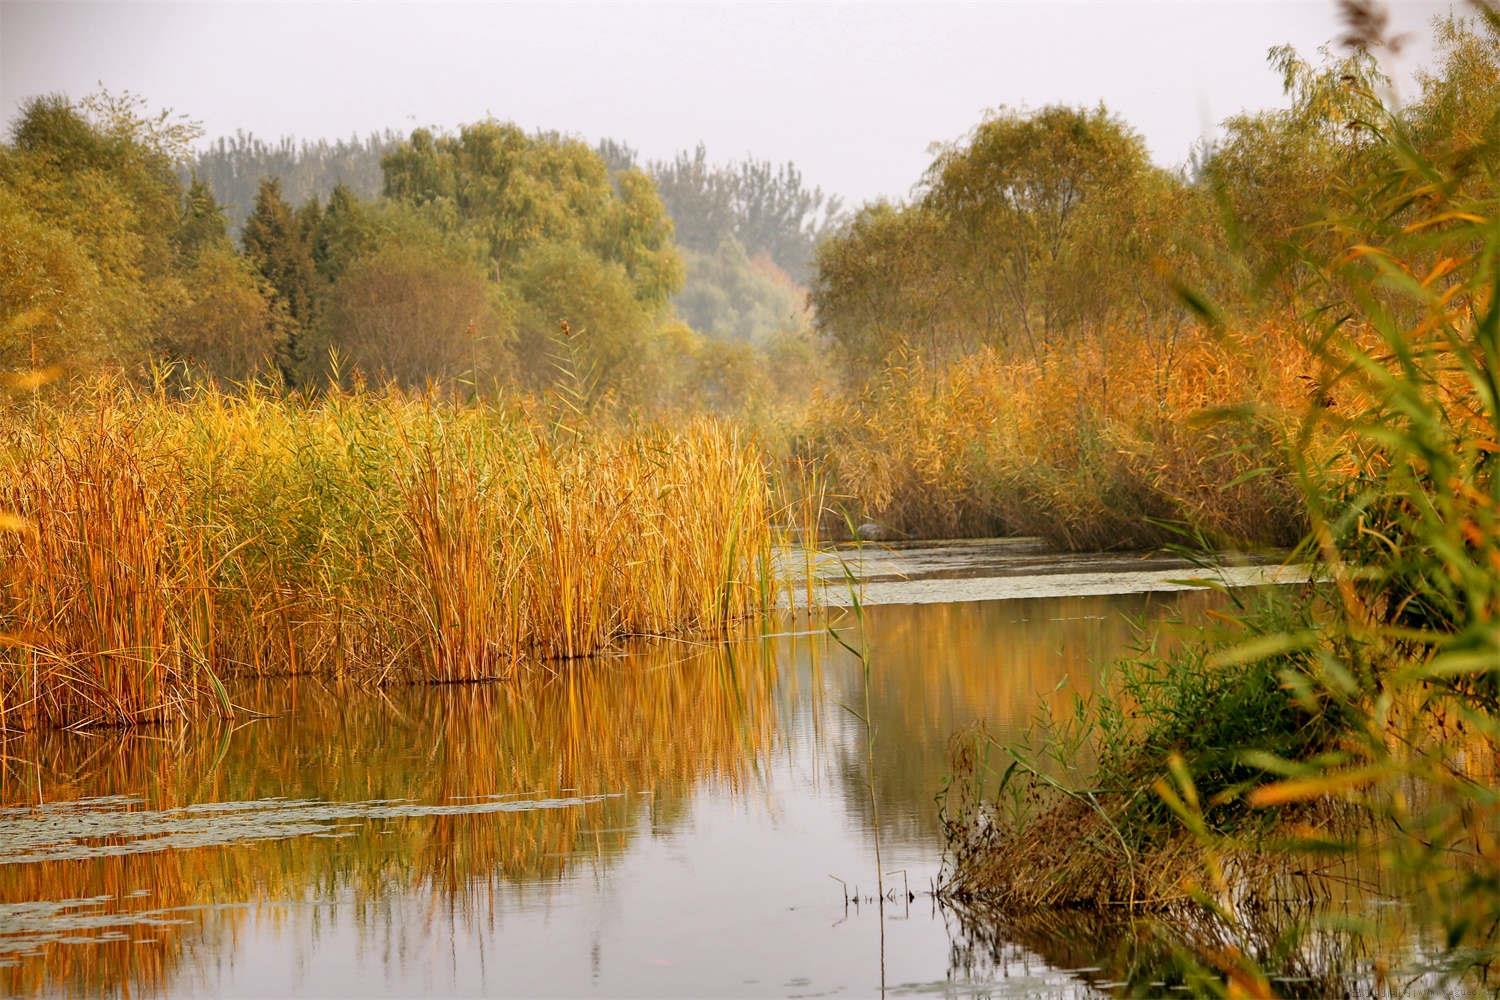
x,y
162,543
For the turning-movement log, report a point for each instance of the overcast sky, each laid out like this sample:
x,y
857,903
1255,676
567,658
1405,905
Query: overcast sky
x,y
853,93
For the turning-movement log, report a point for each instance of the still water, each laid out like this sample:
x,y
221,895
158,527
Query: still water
x,y
671,822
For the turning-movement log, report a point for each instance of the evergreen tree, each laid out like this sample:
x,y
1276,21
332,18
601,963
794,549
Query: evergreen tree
x,y
277,245
203,223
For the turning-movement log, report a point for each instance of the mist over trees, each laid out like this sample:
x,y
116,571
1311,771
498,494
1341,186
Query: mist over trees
x,y
234,166
487,258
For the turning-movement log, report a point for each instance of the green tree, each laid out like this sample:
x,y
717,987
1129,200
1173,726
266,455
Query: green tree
x,y
609,329
281,252
226,327
202,225
887,281
95,183
1279,172
52,303
1014,198
565,240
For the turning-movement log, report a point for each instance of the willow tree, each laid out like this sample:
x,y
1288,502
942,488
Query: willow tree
x,y
104,257
1020,199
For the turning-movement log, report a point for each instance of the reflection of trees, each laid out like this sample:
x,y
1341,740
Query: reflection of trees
x,y
654,725
938,668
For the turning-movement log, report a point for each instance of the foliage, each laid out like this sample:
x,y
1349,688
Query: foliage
x,y
228,327
1035,228
413,313
92,187
235,167
765,208
280,248
729,296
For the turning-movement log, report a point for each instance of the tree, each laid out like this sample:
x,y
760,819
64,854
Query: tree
x,y
565,240
1012,198
608,329
280,249
886,281
766,208
731,297
417,313
94,184
1279,172
202,225
52,303
227,327
235,166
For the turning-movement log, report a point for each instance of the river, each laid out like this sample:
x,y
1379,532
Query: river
x,y
686,818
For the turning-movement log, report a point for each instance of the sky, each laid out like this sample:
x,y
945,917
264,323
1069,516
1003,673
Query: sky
x,y
854,93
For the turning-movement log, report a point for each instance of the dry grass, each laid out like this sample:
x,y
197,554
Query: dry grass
x,y
1086,849
377,535
1089,449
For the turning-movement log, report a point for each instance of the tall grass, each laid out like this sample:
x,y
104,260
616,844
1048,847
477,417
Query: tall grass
x,y
380,535
1116,442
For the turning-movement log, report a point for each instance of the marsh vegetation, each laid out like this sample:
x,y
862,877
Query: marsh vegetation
x,y
301,430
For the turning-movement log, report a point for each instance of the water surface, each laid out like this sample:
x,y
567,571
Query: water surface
x,y
669,822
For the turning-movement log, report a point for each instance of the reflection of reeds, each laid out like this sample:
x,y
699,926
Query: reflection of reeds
x,y
374,535
1317,947
1011,664
655,727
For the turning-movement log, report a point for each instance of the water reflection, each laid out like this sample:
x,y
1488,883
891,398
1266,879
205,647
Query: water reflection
x,y
1338,948
660,823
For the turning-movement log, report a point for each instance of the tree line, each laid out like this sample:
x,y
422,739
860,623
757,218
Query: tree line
x,y
488,256
1046,226
747,230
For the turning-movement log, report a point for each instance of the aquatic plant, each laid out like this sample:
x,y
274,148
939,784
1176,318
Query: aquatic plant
x,y
1104,445
371,534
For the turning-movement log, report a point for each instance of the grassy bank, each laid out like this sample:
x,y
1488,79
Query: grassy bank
x,y
165,542
1356,719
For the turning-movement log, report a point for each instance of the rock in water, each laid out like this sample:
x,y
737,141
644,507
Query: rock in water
x,y
871,532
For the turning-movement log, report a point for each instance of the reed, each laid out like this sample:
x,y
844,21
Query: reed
x,y
1120,441
374,534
